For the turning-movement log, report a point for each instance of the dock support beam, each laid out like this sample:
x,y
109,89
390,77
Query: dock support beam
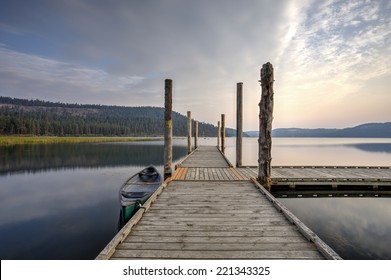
x,y
168,129
218,134
195,134
223,133
239,123
265,125
189,132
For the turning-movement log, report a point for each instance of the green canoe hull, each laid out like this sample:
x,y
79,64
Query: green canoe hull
x,y
129,211
136,191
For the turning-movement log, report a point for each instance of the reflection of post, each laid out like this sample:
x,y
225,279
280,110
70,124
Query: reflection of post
x,y
168,129
239,123
223,133
188,132
265,126
196,135
218,134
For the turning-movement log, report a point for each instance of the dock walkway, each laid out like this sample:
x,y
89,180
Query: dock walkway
x,y
209,210
327,180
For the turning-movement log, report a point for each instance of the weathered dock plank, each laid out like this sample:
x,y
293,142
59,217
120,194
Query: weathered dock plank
x,y
321,172
216,246
208,234
205,156
346,177
283,175
218,254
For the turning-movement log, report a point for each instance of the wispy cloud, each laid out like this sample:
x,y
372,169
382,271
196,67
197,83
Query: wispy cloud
x,y
341,41
29,72
331,50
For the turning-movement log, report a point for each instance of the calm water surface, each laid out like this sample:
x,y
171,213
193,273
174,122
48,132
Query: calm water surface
x,y
356,228
61,201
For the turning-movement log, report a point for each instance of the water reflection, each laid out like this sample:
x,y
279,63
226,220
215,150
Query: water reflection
x,y
58,215
36,158
356,228
70,211
373,147
318,151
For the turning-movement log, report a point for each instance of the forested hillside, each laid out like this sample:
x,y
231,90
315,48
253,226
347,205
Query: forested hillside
x,y
368,130
36,117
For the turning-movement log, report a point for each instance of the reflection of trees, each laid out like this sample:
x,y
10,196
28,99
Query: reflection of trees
x,y
34,158
373,147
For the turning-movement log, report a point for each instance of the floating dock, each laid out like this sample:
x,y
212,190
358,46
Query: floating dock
x,y
210,210
310,181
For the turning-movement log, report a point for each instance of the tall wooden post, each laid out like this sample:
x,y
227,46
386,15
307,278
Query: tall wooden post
x,y
168,129
195,134
223,133
218,134
189,132
239,123
265,125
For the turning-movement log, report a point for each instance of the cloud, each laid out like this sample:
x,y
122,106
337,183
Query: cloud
x,y
341,40
30,75
333,50
206,47
120,52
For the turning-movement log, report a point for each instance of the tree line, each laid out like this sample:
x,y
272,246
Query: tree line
x,y
36,117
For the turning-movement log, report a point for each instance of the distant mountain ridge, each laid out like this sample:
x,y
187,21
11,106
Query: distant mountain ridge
x,y
368,130
36,117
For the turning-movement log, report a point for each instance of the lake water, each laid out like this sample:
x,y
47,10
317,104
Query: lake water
x,y
60,201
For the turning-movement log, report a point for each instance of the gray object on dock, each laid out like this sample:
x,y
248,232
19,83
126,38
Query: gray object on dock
x,y
239,123
189,147
168,128
195,134
223,133
265,125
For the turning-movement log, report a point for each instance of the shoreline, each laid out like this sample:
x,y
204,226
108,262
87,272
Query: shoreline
x,y
22,140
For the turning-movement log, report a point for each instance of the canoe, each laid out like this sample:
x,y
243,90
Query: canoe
x,y
136,191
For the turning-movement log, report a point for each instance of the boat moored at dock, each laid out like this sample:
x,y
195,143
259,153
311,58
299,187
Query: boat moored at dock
x,y
136,190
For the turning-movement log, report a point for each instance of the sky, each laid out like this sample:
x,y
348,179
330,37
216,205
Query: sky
x,y
331,58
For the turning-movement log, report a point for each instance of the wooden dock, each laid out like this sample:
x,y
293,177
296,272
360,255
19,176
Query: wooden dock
x,y
210,210
327,180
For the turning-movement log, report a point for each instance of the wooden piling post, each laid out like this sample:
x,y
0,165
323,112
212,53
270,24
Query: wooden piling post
x,y
265,125
239,123
195,134
218,134
189,148
223,133
168,129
